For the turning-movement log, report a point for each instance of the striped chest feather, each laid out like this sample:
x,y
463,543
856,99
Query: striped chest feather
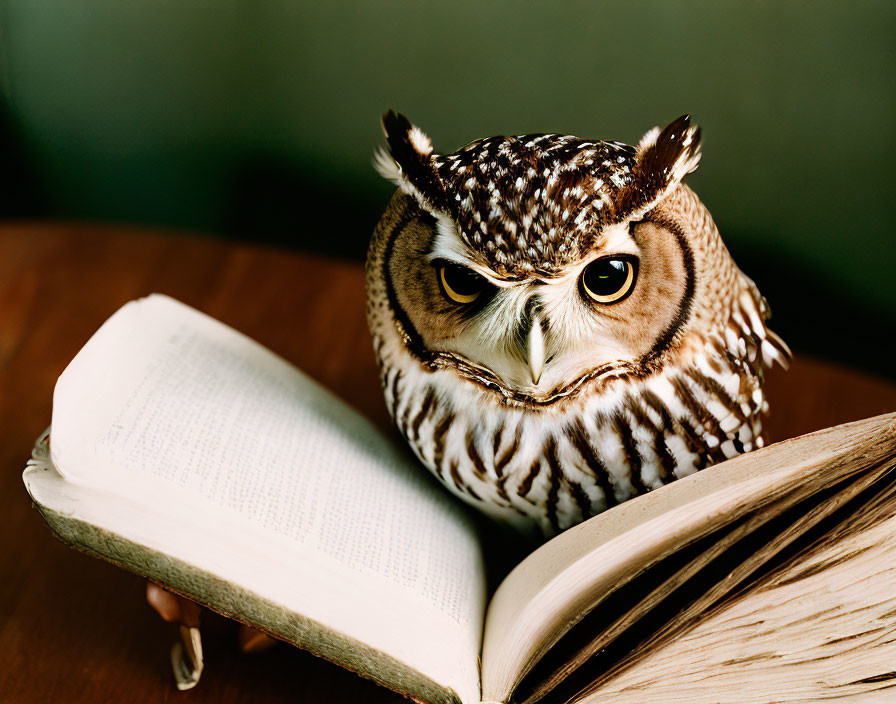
x,y
556,466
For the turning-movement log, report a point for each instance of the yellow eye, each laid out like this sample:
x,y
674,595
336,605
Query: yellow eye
x,y
609,280
459,284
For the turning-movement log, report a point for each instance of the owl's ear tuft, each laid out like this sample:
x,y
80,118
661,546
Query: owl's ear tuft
x,y
408,161
648,140
407,142
663,158
672,153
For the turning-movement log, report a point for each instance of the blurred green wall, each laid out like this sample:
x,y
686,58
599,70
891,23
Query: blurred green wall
x,y
259,117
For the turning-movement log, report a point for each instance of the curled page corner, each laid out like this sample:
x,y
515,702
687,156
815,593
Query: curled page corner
x,y
186,658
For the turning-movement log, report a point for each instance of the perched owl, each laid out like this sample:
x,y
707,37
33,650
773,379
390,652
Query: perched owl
x,y
558,324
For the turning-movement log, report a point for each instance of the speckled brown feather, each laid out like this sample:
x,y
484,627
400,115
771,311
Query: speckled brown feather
x,y
535,202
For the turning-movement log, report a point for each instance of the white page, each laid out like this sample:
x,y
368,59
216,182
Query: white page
x,y
167,404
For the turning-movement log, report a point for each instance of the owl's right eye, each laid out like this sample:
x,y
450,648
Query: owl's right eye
x,y
459,284
609,280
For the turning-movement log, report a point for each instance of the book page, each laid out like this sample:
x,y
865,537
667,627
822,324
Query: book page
x,y
561,582
170,406
818,628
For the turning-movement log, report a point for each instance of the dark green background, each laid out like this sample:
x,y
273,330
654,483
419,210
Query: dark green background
x,y
257,119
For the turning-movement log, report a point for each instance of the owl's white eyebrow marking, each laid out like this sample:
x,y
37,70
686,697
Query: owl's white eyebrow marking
x,y
615,239
448,246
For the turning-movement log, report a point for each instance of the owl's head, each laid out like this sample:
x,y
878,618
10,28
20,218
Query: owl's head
x,y
534,264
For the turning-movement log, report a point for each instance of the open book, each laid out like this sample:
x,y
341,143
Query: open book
x,y
185,452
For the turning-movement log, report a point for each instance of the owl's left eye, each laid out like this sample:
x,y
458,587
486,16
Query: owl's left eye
x,y
459,284
610,279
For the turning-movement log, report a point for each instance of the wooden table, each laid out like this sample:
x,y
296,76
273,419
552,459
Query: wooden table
x,y
74,629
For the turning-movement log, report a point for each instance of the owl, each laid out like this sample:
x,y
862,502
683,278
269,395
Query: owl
x,y
558,324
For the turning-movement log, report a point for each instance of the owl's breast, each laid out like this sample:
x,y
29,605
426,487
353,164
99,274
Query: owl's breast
x,y
557,465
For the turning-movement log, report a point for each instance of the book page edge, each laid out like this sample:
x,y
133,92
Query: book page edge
x,y
238,604
231,600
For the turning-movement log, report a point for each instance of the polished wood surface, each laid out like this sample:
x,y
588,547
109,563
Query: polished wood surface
x,y
74,629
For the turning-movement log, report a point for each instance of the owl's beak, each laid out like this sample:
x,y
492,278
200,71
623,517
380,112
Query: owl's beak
x,y
535,349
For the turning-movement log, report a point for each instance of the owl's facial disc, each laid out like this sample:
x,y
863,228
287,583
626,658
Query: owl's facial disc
x,y
532,337
568,264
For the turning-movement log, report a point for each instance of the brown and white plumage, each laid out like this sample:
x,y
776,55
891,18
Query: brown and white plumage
x,y
528,394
